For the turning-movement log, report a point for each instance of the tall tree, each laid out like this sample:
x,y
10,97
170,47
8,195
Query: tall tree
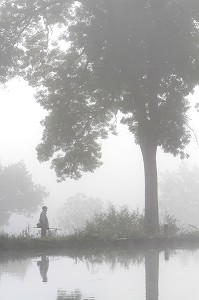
x,y
13,23
90,60
18,193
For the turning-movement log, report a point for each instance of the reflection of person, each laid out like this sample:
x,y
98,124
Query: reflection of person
x,y
43,265
43,221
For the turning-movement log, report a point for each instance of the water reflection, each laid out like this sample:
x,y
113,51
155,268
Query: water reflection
x,y
113,258
128,261
166,254
62,295
151,274
76,295
117,274
16,268
43,265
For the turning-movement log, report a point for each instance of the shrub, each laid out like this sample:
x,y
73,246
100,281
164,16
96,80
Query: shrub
x,y
170,225
115,223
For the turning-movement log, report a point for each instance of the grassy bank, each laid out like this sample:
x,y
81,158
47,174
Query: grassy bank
x,y
86,241
111,228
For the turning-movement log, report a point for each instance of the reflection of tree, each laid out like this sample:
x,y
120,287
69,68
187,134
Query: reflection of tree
x,y
76,295
152,274
125,259
111,257
43,265
166,254
15,267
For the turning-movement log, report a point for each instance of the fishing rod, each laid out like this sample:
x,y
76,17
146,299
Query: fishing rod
x,y
194,227
49,228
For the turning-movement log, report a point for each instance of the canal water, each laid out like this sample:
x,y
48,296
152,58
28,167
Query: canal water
x,y
114,275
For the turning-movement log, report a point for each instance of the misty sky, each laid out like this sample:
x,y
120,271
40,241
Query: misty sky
x,y
120,180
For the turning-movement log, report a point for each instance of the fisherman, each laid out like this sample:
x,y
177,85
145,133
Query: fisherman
x,y
43,221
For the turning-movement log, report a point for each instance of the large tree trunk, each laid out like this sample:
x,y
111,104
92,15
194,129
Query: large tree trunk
x,y
149,150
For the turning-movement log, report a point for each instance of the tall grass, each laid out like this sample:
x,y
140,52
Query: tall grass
x,y
115,223
104,228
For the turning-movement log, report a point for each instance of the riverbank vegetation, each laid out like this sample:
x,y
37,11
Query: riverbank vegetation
x,y
107,228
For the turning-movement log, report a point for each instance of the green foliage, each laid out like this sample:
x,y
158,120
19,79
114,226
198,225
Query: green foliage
x,y
89,60
25,29
170,225
18,193
115,223
139,58
122,57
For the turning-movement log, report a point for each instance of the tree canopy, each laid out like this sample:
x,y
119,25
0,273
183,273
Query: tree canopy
x,y
18,193
89,60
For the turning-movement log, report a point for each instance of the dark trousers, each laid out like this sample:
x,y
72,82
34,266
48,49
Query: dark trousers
x,y
43,232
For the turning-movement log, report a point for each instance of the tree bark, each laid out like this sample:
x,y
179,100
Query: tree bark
x,y
149,150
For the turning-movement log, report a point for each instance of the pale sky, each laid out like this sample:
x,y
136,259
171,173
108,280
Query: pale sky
x,y
120,180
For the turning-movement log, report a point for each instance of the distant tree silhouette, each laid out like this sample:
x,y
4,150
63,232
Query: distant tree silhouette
x,y
76,211
179,193
90,60
18,193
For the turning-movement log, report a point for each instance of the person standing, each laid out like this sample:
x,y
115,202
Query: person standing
x,y
43,221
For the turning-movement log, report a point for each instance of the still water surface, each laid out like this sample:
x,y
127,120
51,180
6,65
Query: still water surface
x,y
116,275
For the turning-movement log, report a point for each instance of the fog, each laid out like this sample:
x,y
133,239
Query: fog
x,y
120,180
